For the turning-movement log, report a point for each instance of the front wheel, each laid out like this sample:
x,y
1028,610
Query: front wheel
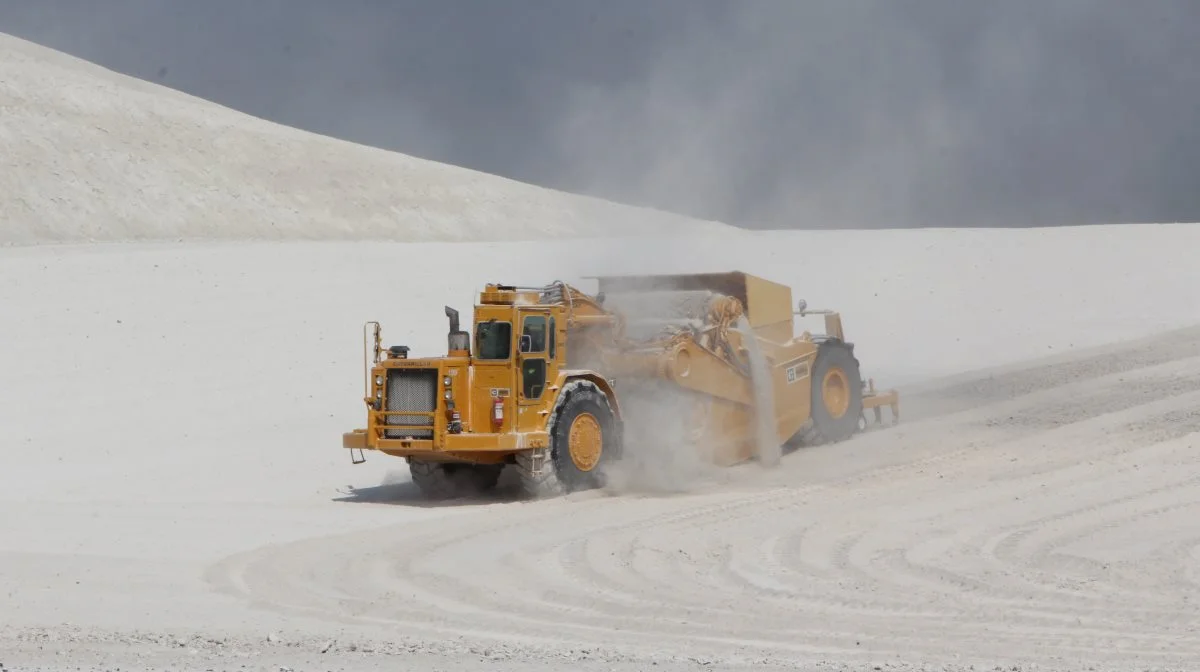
x,y
583,439
439,480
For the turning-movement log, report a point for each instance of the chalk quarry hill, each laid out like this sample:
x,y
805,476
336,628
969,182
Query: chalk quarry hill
x,y
92,155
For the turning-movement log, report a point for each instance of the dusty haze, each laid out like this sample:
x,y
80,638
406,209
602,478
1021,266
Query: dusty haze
x,y
775,113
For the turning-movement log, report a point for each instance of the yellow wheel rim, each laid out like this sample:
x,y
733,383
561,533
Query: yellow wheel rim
x,y
835,393
585,441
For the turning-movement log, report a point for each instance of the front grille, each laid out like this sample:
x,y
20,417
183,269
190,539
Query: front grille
x,y
411,390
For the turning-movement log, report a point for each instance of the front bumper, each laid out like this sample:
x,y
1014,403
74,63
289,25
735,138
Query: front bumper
x,y
508,442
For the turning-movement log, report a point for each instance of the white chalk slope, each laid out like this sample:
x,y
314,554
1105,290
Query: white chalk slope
x,y
172,468
89,154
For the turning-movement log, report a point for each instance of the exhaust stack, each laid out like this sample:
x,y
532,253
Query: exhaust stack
x,y
458,342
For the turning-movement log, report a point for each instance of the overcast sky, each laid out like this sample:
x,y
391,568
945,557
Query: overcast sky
x,y
779,113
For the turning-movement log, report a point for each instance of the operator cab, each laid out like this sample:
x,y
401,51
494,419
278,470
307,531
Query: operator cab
x,y
512,324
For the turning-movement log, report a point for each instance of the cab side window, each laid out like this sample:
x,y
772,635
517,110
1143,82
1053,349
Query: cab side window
x,y
535,329
533,369
493,340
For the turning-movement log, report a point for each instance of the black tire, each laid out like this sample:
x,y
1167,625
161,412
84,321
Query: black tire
x,y
438,480
837,360
559,473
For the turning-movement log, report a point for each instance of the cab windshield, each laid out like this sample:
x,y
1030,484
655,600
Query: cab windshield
x,y
493,340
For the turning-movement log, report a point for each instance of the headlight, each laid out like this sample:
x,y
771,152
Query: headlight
x,y
378,381
446,381
446,395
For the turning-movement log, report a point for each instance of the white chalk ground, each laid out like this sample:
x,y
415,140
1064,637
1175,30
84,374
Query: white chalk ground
x,y
173,492
172,468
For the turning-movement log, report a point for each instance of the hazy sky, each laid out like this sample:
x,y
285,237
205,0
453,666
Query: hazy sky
x,y
781,113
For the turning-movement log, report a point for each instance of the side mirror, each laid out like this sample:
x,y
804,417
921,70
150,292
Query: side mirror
x,y
526,343
802,305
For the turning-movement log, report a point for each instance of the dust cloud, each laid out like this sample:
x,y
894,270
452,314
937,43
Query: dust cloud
x,y
670,446
662,453
766,435
794,115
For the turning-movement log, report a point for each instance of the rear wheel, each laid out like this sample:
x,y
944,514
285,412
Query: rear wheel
x,y
836,393
438,480
583,440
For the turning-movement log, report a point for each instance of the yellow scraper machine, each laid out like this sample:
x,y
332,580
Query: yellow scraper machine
x,y
539,383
